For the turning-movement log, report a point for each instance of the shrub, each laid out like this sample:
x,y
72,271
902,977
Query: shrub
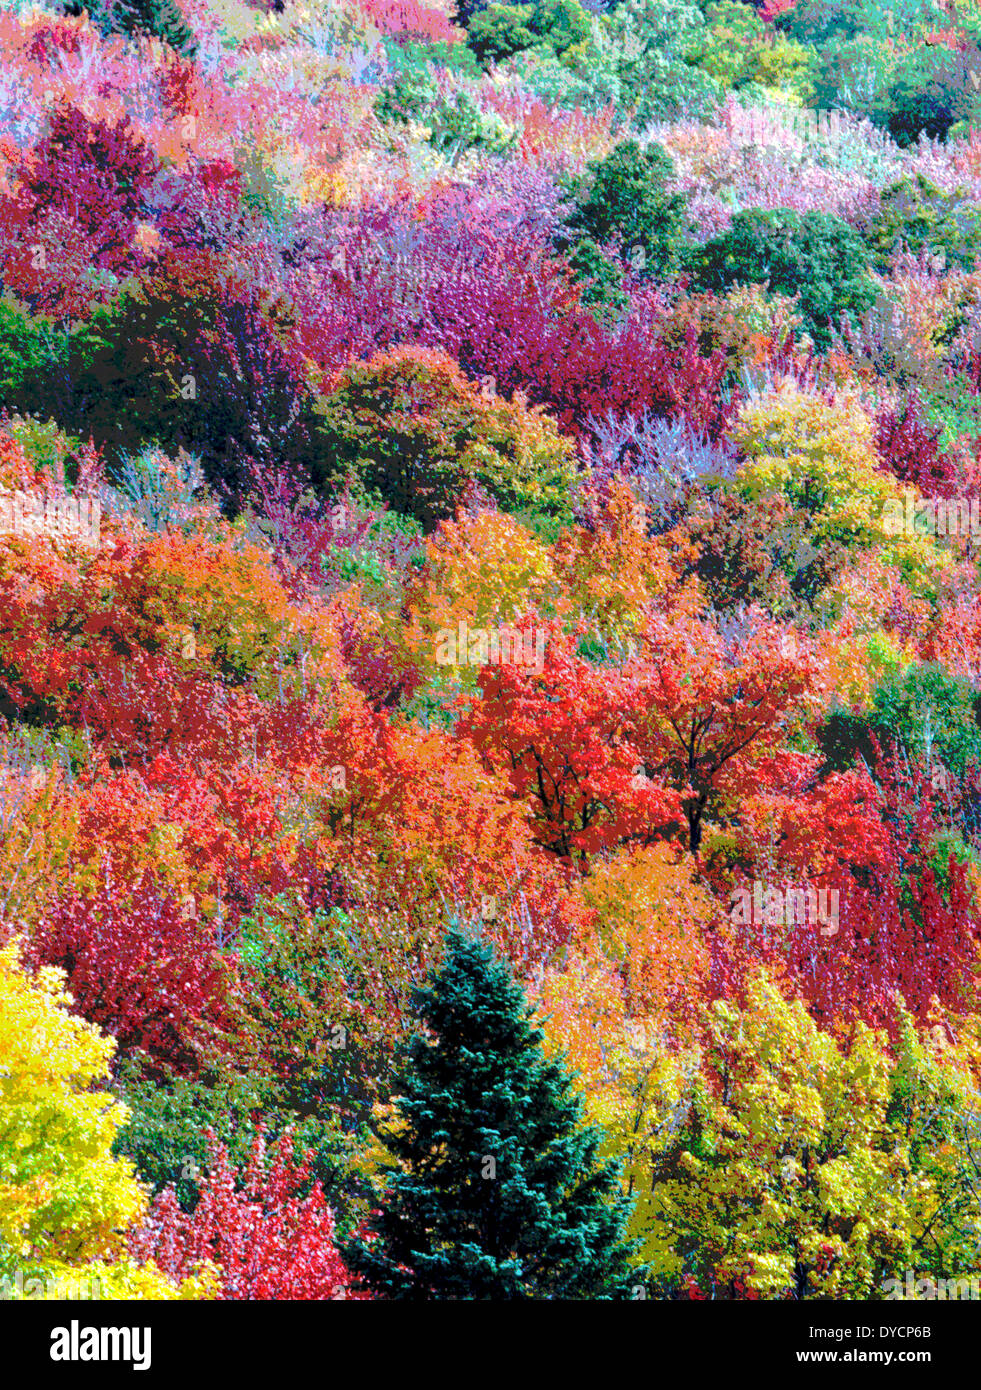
x,y
922,712
916,215
407,98
908,445
409,426
182,361
403,21
410,56
162,492
814,256
500,31
640,58
32,360
759,551
746,323
166,1134
955,405
452,125
265,1240
652,41
590,84
661,459
159,19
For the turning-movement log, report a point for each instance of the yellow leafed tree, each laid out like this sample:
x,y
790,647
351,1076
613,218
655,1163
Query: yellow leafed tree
x,y
65,1201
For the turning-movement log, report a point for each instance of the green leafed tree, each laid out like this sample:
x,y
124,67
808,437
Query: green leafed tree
x,y
624,200
493,1189
814,255
622,204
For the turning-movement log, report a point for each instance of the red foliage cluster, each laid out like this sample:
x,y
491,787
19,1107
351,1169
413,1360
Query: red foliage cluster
x,y
266,1241
77,200
559,737
410,21
140,965
769,9
51,36
908,446
897,924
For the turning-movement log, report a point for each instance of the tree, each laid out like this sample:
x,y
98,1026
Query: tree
x,y
809,1167
706,705
139,967
558,734
814,255
623,200
930,92
409,425
495,1191
921,711
819,454
64,1198
817,21
500,31
650,42
187,356
85,183
454,124
464,10
161,19
623,208
916,214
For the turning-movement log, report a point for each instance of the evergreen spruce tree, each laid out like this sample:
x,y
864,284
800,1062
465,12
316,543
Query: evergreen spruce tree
x,y
161,19
496,1191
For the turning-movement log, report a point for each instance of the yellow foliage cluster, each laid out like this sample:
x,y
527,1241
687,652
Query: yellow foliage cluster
x,y
633,1084
212,603
65,1200
820,455
619,1004
489,570
612,571
485,571
651,914
33,842
802,1182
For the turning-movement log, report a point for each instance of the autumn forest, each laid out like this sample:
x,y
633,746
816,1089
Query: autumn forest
x,y
490,651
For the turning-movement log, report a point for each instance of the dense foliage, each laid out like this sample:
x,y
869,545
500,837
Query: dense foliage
x,y
490,656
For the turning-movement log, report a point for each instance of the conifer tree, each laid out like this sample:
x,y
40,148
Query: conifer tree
x,y
495,1191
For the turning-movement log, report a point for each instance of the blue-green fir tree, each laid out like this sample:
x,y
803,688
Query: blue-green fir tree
x,y
495,1189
